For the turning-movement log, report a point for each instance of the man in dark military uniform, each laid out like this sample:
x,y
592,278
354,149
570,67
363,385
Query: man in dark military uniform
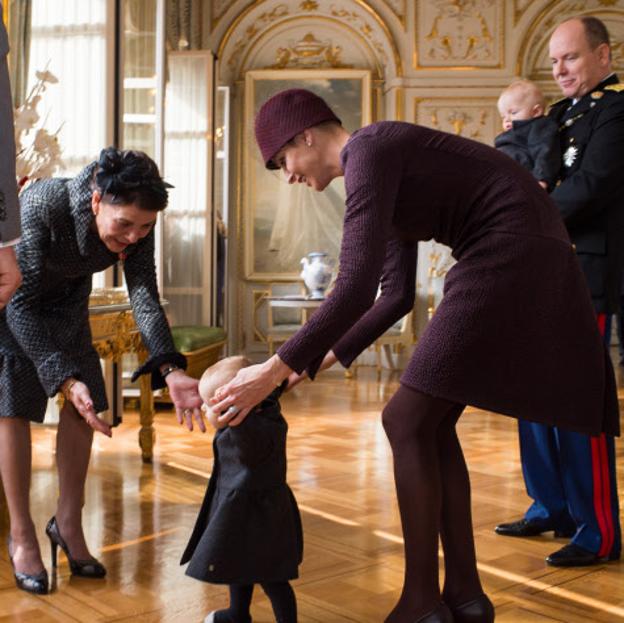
x,y
570,476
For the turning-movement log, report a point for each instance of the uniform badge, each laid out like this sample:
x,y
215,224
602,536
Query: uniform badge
x,y
569,155
596,95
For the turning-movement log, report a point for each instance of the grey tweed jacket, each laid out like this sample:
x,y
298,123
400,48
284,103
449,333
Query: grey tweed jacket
x,y
9,205
58,254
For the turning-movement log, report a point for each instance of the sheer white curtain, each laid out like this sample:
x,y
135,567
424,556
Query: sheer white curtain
x,y
69,38
187,239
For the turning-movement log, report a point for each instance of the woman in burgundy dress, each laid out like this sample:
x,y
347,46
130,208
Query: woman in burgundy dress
x,y
515,332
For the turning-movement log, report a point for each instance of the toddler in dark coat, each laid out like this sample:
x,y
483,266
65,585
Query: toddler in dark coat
x,y
530,138
248,530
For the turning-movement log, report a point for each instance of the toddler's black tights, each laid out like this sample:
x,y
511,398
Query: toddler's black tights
x,y
282,599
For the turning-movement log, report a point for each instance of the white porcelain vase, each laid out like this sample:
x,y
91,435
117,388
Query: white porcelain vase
x,y
316,273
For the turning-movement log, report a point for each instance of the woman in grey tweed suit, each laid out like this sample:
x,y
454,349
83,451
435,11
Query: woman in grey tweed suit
x,y
72,228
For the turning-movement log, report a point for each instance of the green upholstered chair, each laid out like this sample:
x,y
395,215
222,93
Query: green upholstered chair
x,y
202,346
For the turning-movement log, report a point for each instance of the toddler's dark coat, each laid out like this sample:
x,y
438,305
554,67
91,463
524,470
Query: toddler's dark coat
x,y
534,143
248,530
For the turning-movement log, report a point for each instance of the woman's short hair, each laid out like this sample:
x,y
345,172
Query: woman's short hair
x,y
125,177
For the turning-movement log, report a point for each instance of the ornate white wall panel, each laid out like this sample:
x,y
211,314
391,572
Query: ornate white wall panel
x,y
456,33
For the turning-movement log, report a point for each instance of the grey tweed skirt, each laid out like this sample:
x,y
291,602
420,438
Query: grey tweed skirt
x,y
21,393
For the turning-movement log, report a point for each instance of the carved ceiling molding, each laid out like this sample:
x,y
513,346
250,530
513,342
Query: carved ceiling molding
x,y
356,17
459,34
218,8
533,61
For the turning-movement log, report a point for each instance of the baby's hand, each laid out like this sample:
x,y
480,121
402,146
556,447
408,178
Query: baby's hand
x,y
212,417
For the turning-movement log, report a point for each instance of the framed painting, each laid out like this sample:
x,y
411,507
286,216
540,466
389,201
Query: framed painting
x,y
282,223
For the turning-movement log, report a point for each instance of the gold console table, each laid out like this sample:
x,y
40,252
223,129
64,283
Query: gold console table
x,y
115,334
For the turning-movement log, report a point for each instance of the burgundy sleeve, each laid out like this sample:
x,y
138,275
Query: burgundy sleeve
x,y
372,176
398,291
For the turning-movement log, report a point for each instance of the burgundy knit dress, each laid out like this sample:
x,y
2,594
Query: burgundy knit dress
x,y
515,332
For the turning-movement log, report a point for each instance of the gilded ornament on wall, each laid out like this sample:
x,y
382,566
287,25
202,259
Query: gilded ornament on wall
x,y
459,32
470,122
266,18
364,28
309,52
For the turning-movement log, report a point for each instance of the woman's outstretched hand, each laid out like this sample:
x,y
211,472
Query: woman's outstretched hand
x,y
79,395
184,392
249,387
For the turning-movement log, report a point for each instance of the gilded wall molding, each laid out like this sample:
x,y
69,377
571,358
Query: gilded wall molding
x,y
459,34
399,8
520,8
218,8
355,17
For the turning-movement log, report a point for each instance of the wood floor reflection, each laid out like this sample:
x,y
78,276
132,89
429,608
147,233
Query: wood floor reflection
x,y
138,518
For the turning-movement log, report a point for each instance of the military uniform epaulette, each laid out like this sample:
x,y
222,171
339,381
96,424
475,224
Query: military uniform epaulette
x,y
618,88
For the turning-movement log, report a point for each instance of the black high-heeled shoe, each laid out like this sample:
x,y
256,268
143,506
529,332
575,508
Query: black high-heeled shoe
x,y
441,614
479,610
31,583
90,568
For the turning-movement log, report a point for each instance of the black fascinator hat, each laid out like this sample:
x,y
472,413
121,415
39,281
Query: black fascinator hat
x,y
128,176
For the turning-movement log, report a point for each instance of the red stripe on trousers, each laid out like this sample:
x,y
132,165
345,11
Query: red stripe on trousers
x,y
601,480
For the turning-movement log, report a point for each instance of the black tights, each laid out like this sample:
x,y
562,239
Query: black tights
x,y
282,599
433,492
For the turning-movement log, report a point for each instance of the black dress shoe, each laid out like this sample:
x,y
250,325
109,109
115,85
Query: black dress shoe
x,y
440,615
523,527
479,610
36,583
572,555
90,568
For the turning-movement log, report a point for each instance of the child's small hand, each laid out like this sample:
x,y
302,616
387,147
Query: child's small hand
x,y
212,417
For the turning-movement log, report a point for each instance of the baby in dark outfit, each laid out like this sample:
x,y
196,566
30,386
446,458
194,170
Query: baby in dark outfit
x,y
530,138
248,530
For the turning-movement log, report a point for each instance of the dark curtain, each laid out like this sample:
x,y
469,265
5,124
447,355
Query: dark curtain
x,y
184,24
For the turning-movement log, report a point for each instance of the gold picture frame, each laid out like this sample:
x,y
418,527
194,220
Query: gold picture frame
x,y
281,222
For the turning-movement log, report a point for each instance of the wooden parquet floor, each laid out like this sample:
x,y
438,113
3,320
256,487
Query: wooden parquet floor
x,y
138,519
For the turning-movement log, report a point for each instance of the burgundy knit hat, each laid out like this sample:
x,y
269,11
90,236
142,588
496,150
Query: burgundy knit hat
x,y
285,115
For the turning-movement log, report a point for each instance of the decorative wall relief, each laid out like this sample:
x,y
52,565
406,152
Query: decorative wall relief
x,y
475,121
265,18
309,53
364,27
335,34
452,33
